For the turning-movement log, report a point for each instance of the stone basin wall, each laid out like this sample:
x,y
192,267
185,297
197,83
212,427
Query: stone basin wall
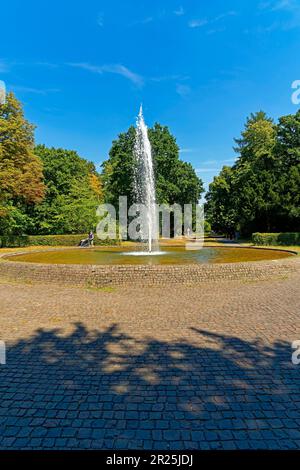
x,y
143,275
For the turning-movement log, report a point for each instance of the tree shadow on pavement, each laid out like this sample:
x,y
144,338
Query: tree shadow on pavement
x,y
109,390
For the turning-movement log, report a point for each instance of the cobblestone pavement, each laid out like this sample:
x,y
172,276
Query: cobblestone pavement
x,y
202,367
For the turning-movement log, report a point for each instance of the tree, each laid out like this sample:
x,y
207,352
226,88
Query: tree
x,y
256,188
263,191
288,132
220,207
258,138
21,179
73,192
245,197
288,151
176,181
117,172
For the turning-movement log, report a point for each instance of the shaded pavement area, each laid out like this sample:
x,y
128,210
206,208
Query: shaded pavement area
x,y
210,368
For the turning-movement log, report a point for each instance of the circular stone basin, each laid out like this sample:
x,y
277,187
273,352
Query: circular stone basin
x,y
168,256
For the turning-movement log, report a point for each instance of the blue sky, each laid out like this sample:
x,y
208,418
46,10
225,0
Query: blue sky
x,y
83,68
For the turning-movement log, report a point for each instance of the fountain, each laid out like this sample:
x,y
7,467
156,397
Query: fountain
x,y
173,254
144,185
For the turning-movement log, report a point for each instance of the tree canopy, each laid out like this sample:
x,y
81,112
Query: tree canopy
x,y
262,189
73,192
176,181
42,190
21,170
54,190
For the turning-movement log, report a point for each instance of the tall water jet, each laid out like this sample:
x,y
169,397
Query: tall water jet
x,y
145,184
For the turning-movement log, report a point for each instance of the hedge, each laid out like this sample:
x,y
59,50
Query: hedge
x,y
48,240
284,238
13,240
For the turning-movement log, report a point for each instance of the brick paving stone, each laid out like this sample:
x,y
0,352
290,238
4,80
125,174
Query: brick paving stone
x,y
193,367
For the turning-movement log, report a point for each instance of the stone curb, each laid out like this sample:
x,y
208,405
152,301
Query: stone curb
x,y
142,275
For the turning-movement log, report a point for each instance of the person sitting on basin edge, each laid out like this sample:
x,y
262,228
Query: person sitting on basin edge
x,y
91,238
89,241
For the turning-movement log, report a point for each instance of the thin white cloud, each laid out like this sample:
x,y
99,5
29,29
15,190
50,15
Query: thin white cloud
x,y
216,30
167,78
188,150
143,21
117,69
207,170
8,65
183,90
159,16
289,8
228,160
100,19
36,91
224,15
198,23
284,5
179,12
209,162
149,19
214,166
277,5
49,65
265,29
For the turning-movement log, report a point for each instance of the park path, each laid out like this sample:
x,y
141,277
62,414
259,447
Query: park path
x,y
202,367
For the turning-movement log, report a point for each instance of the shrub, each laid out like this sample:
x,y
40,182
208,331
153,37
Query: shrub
x,y
13,240
207,227
49,240
284,238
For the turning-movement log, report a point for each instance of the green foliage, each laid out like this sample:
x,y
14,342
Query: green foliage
x,y
21,180
21,170
73,192
176,181
118,169
14,220
42,190
261,192
47,190
219,209
207,226
49,240
11,241
287,239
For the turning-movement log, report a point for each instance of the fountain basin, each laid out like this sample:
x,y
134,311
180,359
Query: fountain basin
x,y
78,267
175,255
